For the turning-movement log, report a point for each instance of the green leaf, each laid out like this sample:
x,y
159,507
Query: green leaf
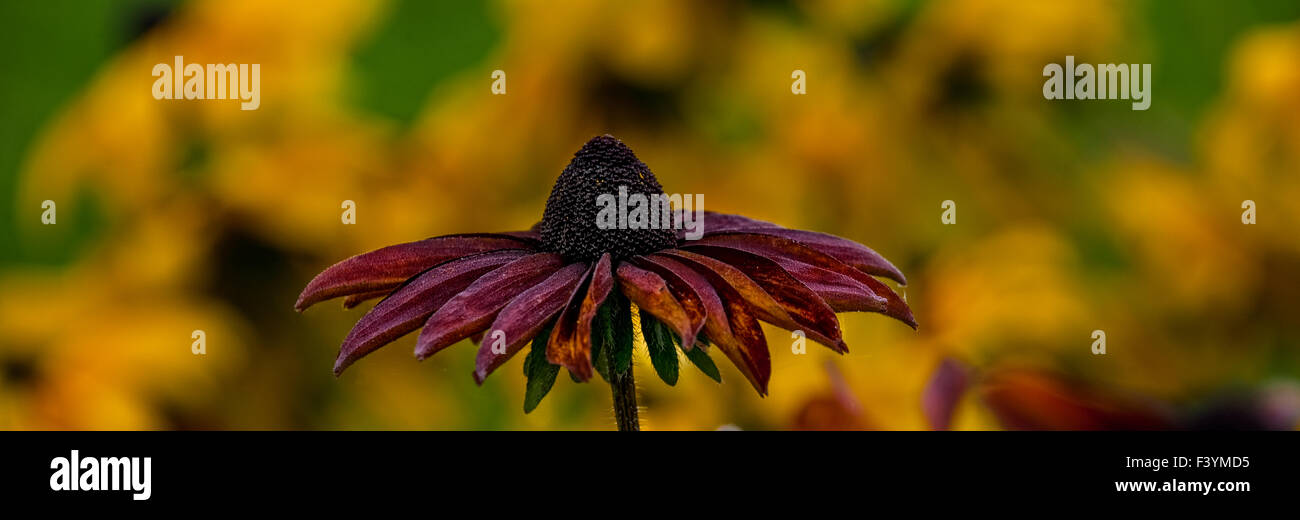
x,y
701,359
663,352
602,336
622,333
541,373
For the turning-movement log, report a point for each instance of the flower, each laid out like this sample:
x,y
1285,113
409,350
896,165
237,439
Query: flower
x,y
510,288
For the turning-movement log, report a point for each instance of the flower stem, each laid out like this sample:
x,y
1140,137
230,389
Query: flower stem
x,y
623,386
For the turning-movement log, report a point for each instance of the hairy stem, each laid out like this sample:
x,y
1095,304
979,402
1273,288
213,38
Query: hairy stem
x,y
623,387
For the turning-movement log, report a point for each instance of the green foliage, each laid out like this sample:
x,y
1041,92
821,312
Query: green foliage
x,y
663,352
602,337
540,372
622,333
701,359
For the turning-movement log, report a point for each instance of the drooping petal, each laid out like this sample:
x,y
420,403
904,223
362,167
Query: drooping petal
x,y
729,323
532,235
842,293
747,346
719,273
525,316
692,290
847,251
474,308
413,303
721,222
386,268
857,255
764,283
354,300
650,292
786,252
570,343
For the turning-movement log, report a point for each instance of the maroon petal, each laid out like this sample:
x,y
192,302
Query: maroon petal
x,y
525,316
729,323
532,236
412,304
474,308
785,251
386,268
719,273
941,394
688,285
354,300
720,222
847,251
746,347
570,343
842,293
650,292
763,283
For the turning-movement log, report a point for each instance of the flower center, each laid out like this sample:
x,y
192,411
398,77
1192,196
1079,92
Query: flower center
x,y
569,225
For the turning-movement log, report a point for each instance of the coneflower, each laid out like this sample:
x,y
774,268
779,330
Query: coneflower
x,y
571,288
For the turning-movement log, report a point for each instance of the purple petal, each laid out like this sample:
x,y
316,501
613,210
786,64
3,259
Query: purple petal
x,y
411,305
387,267
760,281
785,251
473,309
731,326
847,251
650,292
354,300
688,285
570,343
525,316
841,292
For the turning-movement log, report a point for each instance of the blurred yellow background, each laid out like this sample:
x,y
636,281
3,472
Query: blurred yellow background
x,y
1072,216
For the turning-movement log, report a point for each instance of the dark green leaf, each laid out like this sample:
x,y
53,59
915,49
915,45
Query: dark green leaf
x,y
701,359
541,373
663,353
602,335
622,333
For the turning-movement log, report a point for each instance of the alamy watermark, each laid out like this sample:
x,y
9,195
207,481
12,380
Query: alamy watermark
x,y
77,473
654,211
213,81
1103,81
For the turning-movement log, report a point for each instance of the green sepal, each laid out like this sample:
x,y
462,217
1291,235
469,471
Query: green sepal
x,y
701,359
660,342
621,323
602,336
540,372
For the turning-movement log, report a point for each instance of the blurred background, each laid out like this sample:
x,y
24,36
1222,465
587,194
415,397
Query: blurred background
x,y
1072,216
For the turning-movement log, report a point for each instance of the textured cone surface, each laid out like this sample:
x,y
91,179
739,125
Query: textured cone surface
x,y
569,223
